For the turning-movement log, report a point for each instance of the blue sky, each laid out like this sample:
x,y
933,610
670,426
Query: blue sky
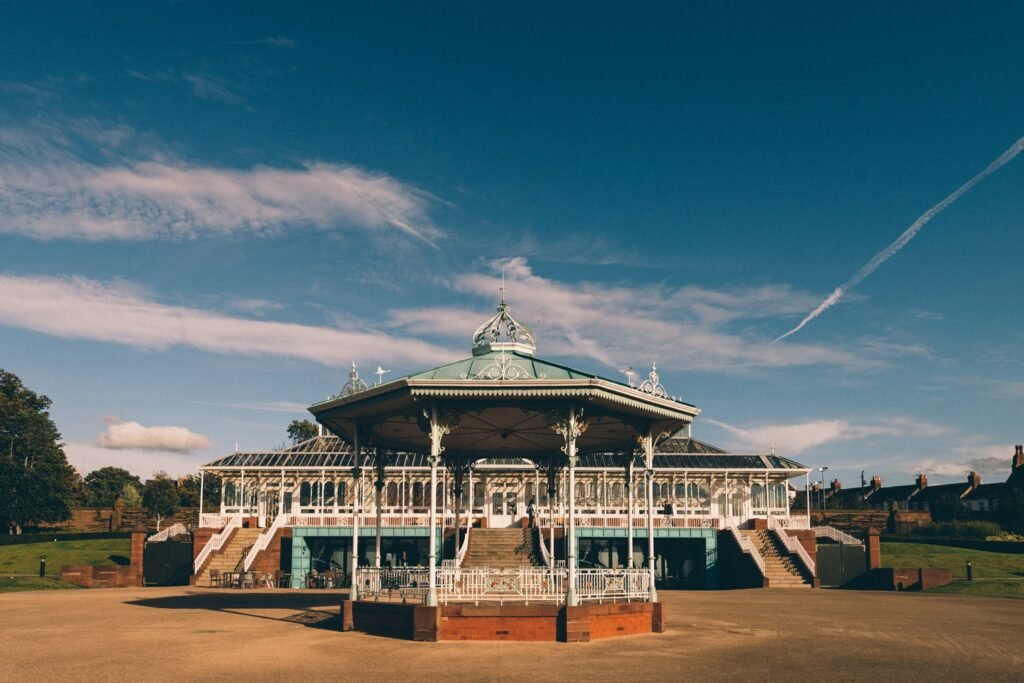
x,y
207,212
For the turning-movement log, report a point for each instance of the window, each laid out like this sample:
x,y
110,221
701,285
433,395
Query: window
x,y
342,493
757,494
392,497
616,492
315,494
329,493
230,499
304,494
417,494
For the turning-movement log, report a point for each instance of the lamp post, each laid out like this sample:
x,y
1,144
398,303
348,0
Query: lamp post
x,y
823,470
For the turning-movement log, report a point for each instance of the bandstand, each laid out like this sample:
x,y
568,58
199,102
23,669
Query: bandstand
x,y
431,477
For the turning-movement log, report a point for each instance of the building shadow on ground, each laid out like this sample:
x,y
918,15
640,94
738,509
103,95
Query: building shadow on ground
x,y
313,609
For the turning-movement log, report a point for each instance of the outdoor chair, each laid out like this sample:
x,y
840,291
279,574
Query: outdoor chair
x,y
216,581
267,580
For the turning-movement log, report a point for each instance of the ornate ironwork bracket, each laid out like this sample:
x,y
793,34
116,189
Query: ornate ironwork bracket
x,y
503,369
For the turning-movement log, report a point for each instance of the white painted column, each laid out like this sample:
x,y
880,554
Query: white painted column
x,y
648,442
379,485
572,428
202,485
629,513
435,458
241,487
357,462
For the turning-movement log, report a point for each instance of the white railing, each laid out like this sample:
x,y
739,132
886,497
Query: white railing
x,y
464,548
523,584
176,529
613,584
793,545
263,541
545,555
748,547
836,535
800,522
214,520
217,542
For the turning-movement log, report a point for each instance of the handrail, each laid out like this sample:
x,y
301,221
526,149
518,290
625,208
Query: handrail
x,y
747,546
263,541
837,535
793,545
464,548
217,542
176,529
544,549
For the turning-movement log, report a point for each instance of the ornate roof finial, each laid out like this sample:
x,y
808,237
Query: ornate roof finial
x,y
354,384
503,332
652,385
630,376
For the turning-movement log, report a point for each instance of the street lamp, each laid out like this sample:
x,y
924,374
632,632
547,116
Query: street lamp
x,y
823,470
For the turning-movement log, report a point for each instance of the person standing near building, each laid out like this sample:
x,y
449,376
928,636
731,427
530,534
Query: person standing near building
x,y
531,510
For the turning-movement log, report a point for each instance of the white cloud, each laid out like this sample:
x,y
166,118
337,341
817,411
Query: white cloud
x,y
86,457
80,308
48,190
132,435
622,324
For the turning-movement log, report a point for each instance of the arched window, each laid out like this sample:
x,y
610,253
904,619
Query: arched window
x,y
579,491
315,494
329,493
304,494
342,493
479,494
592,490
616,493
665,488
680,491
640,493
529,493
417,494
229,494
757,494
392,498
780,497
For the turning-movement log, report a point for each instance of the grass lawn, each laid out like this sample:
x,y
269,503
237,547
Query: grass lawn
x,y
996,574
10,584
24,559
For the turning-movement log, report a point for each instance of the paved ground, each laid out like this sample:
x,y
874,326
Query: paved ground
x,y
197,634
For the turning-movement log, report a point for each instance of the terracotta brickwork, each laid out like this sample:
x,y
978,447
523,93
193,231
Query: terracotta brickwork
x,y
269,561
807,539
105,576
499,622
502,622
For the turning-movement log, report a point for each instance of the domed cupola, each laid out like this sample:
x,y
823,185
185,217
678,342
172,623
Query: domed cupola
x,y
504,333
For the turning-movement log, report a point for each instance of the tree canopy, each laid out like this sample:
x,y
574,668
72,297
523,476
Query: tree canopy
x,y
36,482
301,430
104,485
160,497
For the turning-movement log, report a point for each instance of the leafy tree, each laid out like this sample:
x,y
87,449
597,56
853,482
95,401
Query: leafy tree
x,y
36,482
301,430
160,497
130,496
190,486
1010,509
946,509
107,483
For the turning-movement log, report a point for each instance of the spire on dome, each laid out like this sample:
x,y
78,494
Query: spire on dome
x,y
503,332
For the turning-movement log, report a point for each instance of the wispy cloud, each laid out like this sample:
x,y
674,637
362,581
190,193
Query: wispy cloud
x,y
270,41
261,406
623,324
908,234
132,435
120,313
203,86
48,190
798,437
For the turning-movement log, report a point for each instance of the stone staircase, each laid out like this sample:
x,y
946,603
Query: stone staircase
x,y
503,549
230,557
780,568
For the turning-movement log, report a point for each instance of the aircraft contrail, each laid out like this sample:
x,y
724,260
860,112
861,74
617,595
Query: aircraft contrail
x,y
908,234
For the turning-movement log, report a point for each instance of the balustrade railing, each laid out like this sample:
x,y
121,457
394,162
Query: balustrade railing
x,y
176,529
464,548
795,547
216,542
213,520
263,541
524,584
836,535
798,522
748,547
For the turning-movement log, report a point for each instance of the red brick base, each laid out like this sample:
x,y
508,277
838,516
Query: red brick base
x,y
503,622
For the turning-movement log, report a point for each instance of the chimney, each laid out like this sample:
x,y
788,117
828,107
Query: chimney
x,y
922,481
974,480
837,485
876,483
1018,457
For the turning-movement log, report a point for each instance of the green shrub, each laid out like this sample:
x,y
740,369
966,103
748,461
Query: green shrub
x,y
976,529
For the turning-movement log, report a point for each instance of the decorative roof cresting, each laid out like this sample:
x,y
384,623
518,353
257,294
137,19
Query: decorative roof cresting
x,y
504,333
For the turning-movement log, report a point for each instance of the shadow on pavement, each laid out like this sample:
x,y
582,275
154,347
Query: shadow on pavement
x,y
313,609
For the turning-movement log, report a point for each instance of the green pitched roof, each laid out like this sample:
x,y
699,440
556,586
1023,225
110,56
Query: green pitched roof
x,y
533,368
